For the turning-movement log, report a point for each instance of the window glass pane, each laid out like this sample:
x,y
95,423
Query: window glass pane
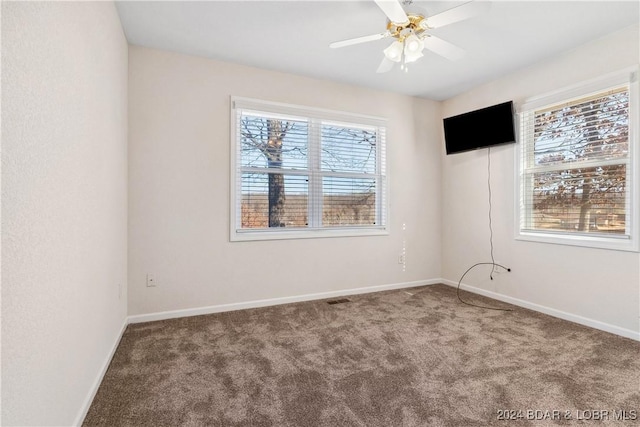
x,y
348,149
274,200
594,128
585,200
273,143
348,201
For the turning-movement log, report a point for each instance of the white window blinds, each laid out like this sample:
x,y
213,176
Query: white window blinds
x,y
576,165
301,169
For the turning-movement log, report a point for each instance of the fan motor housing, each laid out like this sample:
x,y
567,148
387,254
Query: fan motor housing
x,y
415,25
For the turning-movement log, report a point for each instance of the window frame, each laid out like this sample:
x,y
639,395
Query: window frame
x,y
627,77
315,174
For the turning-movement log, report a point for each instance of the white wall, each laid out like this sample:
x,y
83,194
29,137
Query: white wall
x,y
64,194
64,210
179,189
600,285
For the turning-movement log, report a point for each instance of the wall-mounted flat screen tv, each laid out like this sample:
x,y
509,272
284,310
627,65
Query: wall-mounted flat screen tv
x,y
480,128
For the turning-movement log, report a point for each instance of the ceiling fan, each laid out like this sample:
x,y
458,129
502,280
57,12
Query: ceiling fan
x,y
411,32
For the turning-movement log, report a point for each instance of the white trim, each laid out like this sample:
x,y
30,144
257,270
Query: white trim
x,y
580,89
173,314
96,384
585,321
307,233
334,116
140,318
614,243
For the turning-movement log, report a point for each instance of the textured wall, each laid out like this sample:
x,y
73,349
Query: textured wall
x,y
64,204
179,189
601,285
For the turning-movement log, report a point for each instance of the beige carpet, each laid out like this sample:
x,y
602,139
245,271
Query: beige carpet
x,y
399,358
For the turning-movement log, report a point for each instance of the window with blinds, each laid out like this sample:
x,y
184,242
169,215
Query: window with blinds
x,y
303,172
577,169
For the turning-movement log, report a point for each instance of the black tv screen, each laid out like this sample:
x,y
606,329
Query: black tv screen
x,y
480,128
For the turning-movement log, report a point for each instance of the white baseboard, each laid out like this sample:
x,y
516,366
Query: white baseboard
x,y
628,333
273,301
96,384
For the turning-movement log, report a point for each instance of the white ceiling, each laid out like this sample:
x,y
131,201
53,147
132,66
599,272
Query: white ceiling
x,y
293,36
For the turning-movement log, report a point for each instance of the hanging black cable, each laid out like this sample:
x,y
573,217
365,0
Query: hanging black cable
x,y
493,261
493,264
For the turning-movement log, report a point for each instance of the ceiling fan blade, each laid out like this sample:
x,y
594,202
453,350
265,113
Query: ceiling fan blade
x,y
358,40
385,66
394,11
443,48
459,13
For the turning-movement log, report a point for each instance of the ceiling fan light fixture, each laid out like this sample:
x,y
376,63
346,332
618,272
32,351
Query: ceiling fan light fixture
x,y
413,45
410,32
394,51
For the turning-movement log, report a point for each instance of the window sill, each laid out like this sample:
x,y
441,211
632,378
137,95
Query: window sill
x,y
258,235
595,242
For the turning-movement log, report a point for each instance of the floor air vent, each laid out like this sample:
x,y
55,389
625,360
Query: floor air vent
x,y
338,301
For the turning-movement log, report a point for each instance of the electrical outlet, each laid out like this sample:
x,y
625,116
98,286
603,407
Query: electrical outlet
x,y
151,280
500,270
